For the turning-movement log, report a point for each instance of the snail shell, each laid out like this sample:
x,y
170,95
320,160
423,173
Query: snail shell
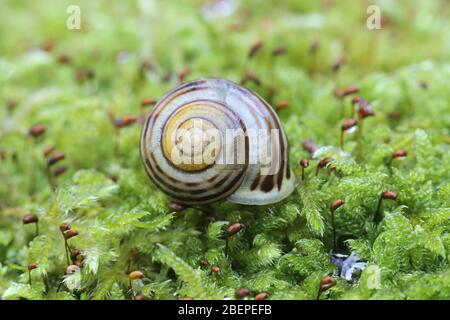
x,y
194,122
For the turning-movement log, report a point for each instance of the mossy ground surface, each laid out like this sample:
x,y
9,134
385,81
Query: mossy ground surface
x,y
129,51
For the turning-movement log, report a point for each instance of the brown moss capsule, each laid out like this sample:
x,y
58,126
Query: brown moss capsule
x,y
234,228
135,275
261,296
241,293
47,45
36,130
215,269
333,207
231,230
70,234
304,163
148,101
249,75
32,266
326,283
11,105
147,64
90,74
323,163
400,153
74,253
203,262
423,85
389,195
184,72
113,178
56,158
309,146
278,51
48,151
336,204
282,104
128,120
30,218
364,109
351,89
72,269
64,58
125,121
64,227
140,297
59,171
187,298
348,124
255,48
338,64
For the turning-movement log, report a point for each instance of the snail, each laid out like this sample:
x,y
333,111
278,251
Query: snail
x,y
212,139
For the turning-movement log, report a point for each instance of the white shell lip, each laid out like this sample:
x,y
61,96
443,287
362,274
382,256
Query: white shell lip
x,y
240,99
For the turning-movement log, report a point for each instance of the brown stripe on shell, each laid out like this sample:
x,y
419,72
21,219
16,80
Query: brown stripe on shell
x,y
207,199
267,184
155,178
158,169
192,196
170,188
213,178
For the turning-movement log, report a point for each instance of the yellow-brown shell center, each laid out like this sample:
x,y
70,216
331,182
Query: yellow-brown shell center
x,y
192,144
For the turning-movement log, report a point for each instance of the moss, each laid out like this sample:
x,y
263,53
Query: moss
x,y
125,53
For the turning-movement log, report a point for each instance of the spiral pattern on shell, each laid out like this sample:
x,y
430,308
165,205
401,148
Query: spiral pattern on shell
x,y
194,122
